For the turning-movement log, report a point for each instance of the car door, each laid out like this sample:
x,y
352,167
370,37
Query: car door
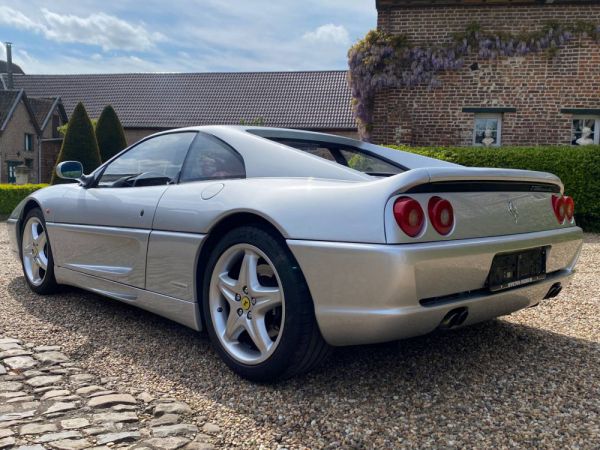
x,y
103,230
183,214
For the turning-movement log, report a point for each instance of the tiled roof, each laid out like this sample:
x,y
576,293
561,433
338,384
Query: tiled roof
x,y
41,108
4,66
317,100
7,100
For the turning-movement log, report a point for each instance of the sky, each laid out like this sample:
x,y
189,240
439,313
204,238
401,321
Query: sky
x,y
84,36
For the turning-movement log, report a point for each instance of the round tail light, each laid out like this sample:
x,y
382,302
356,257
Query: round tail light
x,y
441,215
409,216
569,208
558,203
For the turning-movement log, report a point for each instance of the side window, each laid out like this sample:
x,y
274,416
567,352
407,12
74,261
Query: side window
x,y
211,159
152,162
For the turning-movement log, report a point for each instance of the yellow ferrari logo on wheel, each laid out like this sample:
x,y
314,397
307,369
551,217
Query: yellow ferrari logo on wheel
x,y
246,303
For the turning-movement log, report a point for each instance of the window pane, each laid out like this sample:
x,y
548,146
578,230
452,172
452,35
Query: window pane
x,y
159,158
486,131
211,159
367,163
584,131
345,155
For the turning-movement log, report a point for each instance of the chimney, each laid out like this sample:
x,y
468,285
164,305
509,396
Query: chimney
x,y
9,68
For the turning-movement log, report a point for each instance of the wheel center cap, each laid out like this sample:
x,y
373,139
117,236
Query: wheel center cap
x,y
246,303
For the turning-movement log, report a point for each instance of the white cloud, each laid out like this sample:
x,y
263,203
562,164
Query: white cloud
x,y
232,35
17,19
100,29
330,33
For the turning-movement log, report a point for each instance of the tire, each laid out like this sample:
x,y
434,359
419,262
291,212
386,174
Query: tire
x,y
288,337
36,254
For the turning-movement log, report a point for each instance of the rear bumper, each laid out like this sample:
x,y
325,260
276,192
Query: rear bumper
x,y
367,293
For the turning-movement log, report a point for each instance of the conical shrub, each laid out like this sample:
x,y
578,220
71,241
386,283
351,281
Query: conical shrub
x,y
110,134
79,144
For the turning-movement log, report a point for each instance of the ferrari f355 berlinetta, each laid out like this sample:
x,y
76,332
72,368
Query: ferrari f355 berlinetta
x,y
284,243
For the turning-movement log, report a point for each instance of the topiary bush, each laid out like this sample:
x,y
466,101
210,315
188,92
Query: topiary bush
x,y
109,134
12,194
79,144
577,167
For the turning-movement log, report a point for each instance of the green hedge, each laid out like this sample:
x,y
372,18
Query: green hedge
x,y
12,194
577,167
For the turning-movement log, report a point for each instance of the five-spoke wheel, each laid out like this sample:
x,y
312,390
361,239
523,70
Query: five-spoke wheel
x,y
257,306
35,251
246,303
36,254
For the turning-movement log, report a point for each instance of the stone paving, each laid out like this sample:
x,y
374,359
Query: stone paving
x,y
48,402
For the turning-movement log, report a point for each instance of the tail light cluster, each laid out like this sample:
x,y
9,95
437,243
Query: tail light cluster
x,y
411,219
564,208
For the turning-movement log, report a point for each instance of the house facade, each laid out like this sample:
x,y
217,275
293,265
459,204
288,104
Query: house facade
x,y
537,98
27,136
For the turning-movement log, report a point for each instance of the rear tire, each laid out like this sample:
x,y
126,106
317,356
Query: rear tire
x,y
36,254
257,307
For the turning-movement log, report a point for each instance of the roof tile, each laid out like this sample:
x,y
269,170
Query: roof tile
x,y
317,100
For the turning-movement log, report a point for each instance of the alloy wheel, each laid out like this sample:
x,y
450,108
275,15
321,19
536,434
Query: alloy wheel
x,y
247,304
35,251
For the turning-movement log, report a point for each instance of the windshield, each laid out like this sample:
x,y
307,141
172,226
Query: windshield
x,y
346,155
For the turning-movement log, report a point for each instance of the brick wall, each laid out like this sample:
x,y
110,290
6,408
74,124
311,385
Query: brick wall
x,y
50,150
12,144
537,86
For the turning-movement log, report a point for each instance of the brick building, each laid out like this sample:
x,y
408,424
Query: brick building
x,y
29,139
524,100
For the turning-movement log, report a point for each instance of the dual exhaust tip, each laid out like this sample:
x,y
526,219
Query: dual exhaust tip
x,y
457,316
553,291
454,318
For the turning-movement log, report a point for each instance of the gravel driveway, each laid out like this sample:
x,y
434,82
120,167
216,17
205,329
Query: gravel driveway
x,y
528,380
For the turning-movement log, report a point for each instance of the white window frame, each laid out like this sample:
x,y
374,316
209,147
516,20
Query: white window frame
x,y
596,126
497,116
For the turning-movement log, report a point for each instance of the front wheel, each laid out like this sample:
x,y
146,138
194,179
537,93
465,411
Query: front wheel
x,y
258,309
36,254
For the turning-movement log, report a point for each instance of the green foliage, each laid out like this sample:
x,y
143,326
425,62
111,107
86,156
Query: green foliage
x,y
79,144
110,134
12,194
63,128
577,167
256,122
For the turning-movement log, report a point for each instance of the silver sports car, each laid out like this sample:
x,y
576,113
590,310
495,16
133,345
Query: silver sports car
x,y
283,243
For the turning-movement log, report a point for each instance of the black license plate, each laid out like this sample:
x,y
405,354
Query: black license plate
x,y
515,269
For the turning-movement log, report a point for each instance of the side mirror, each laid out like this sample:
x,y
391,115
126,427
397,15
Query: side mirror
x,y
69,170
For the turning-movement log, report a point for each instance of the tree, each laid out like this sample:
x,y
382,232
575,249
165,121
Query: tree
x,y
79,143
63,128
110,134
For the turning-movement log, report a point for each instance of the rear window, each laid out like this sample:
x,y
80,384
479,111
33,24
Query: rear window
x,y
346,155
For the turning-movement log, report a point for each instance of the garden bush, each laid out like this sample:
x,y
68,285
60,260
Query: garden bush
x,y
110,134
12,194
577,167
79,144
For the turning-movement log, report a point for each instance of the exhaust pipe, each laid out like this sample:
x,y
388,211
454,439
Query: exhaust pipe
x,y
454,318
553,291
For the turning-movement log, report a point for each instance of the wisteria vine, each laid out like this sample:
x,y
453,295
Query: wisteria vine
x,y
382,61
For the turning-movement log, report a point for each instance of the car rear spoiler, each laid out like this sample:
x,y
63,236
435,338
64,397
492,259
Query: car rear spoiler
x,y
467,179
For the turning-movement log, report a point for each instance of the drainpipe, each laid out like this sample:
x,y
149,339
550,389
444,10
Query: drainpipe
x,y
9,68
